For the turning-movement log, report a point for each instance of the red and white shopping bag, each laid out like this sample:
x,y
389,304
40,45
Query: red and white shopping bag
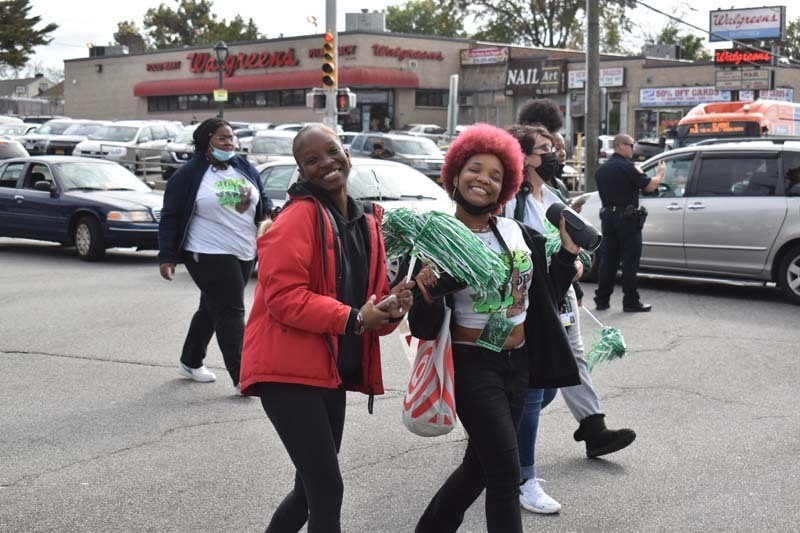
x,y
429,404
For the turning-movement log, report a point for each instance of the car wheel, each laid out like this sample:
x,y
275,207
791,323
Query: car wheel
x,y
789,274
89,239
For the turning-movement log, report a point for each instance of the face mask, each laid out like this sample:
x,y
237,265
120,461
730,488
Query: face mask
x,y
549,167
472,209
222,155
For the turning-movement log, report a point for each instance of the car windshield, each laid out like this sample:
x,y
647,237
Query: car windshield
x,y
82,129
115,133
272,145
98,175
416,147
53,127
392,182
12,129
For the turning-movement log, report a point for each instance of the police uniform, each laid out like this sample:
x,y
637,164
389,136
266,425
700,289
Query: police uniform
x,y
618,183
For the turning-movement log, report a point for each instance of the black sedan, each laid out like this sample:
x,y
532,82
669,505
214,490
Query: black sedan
x,y
89,203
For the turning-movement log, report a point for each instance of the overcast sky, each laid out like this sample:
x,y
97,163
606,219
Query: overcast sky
x,y
95,21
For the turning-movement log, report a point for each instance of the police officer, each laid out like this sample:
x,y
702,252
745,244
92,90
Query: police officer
x,y
618,183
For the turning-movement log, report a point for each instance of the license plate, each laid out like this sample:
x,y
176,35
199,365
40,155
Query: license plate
x,y
60,152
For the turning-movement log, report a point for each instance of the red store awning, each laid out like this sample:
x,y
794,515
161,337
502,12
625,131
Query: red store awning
x,y
348,77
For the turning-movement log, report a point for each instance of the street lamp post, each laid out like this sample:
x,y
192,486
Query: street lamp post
x,y
221,49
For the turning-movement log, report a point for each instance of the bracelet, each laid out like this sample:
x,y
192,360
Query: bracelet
x,y
359,328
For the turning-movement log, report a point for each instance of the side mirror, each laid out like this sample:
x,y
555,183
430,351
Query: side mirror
x,y
44,185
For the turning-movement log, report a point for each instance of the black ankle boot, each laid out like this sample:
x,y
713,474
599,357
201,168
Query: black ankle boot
x,y
601,440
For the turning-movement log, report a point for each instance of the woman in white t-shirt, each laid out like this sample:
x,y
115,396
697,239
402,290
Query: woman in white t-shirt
x,y
212,207
503,341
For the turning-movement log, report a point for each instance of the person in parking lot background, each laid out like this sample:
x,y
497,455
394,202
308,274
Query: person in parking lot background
x,y
212,206
618,184
314,329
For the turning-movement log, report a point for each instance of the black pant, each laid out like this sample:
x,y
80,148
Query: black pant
x,y
622,239
221,280
490,394
310,422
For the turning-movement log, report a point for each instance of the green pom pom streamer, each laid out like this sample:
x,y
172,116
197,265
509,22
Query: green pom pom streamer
x,y
609,344
443,242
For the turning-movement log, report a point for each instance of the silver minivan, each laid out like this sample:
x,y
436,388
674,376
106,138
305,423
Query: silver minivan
x,y
135,144
728,211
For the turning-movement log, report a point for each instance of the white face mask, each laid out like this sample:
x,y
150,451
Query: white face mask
x,y
222,155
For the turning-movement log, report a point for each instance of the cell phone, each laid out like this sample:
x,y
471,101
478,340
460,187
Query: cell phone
x,y
579,200
388,304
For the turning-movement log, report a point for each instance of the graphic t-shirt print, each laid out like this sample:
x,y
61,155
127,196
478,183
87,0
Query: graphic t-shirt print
x,y
233,193
512,297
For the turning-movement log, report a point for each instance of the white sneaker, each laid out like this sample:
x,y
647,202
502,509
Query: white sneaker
x,y
201,374
534,499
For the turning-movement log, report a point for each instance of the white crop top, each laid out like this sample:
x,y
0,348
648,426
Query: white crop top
x,y
472,309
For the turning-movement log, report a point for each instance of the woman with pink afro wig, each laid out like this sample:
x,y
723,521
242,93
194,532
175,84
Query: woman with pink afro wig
x,y
505,340
484,138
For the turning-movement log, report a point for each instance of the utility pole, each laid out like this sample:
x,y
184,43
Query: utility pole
x,y
592,89
330,119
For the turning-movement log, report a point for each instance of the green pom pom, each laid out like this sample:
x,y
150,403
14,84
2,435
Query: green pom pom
x,y
443,242
610,345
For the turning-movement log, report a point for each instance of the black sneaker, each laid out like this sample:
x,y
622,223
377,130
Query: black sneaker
x,y
601,306
638,307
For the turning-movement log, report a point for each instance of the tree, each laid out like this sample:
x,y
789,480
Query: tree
x,y
128,34
791,45
427,17
544,22
18,33
194,24
692,47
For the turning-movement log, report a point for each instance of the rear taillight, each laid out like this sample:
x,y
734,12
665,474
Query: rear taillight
x,y
603,153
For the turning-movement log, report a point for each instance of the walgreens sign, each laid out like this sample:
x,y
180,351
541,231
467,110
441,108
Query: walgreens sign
x,y
747,24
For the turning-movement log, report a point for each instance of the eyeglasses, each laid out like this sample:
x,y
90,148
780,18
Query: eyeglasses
x,y
544,148
628,144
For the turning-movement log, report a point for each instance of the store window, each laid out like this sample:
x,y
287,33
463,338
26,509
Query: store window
x,y
285,98
431,98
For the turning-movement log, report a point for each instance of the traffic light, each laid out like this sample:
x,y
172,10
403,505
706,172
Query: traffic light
x,y
329,62
345,101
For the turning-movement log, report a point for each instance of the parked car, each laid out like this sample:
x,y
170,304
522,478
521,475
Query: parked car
x,y
728,211
268,144
605,147
391,185
297,126
347,138
89,203
433,132
177,152
36,141
10,148
65,143
6,119
135,144
418,152
15,130
246,135
43,119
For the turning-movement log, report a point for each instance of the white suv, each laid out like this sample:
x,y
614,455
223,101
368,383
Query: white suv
x,y
135,144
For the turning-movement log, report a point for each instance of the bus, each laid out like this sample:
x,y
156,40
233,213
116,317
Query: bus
x,y
762,118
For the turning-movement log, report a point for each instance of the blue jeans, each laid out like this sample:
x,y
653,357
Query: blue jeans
x,y
536,400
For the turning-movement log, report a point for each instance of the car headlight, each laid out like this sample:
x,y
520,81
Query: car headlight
x,y
116,150
130,216
419,163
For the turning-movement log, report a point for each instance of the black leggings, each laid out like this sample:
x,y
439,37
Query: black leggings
x,y
221,279
491,389
310,422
